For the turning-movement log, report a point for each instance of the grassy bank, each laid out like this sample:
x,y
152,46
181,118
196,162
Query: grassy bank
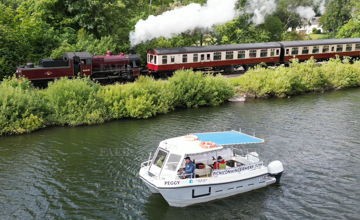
x,y
24,108
297,79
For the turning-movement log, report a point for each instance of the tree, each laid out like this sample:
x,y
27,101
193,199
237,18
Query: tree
x,y
338,13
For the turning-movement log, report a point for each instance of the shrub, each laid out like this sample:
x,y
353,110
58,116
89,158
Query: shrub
x,y
22,108
142,99
75,102
193,89
299,78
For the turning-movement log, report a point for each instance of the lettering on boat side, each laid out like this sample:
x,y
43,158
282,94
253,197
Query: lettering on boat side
x,y
171,183
237,169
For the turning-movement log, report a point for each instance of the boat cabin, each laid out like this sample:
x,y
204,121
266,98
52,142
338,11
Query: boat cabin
x,y
203,150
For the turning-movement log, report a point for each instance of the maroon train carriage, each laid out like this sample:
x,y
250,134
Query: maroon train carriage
x,y
108,67
222,57
320,49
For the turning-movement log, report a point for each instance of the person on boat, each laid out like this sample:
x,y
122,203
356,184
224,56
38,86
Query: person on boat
x,y
220,163
189,168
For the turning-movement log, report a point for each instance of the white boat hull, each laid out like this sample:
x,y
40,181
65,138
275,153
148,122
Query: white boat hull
x,y
185,196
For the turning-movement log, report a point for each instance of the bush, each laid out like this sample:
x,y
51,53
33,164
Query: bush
x,y
22,108
81,101
299,78
74,102
142,99
193,89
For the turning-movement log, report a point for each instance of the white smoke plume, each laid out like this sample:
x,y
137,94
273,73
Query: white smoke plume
x,y
260,9
187,18
305,12
321,4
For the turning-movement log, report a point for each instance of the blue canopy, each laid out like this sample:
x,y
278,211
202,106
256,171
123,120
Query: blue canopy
x,y
228,138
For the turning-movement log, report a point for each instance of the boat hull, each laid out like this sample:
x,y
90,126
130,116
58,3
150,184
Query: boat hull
x,y
185,196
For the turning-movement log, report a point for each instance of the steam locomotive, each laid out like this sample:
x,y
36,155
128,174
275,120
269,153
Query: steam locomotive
x,y
164,61
100,68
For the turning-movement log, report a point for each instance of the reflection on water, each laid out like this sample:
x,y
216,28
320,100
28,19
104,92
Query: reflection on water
x,y
91,172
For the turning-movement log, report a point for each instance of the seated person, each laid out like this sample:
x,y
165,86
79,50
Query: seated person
x,y
220,163
188,172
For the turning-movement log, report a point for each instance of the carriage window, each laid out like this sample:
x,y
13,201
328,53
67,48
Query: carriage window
x,y
263,53
287,51
172,59
202,57
277,52
151,58
172,162
339,48
357,46
196,57
272,52
229,55
295,51
164,59
252,53
155,59
325,49
241,54
217,56
208,56
160,158
315,49
305,50
184,58
348,47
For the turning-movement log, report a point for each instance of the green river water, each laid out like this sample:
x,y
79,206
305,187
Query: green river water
x,y
92,172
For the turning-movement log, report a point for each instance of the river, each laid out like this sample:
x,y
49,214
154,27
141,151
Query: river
x,y
91,172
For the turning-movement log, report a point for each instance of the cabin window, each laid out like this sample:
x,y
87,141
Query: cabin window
x,y
164,59
229,55
339,48
272,52
208,56
357,47
252,53
348,47
241,54
287,51
263,53
325,49
160,158
172,162
196,57
295,51
151,59
315,49
202,57
305,50
184,58
155,59
172,59
217,56
277,52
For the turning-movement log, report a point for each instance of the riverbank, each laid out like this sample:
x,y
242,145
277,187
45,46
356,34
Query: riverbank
x,y
298,78
75,102
65,102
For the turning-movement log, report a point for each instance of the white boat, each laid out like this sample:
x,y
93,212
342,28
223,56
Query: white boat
x,y
243,172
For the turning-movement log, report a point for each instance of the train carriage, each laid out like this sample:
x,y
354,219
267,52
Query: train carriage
x,y
320,49
222,57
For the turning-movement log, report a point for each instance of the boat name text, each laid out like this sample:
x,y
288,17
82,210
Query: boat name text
x,y
237,169
171,183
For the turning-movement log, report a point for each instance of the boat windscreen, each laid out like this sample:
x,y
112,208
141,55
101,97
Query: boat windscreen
x,y
228,138
172,162
160,158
